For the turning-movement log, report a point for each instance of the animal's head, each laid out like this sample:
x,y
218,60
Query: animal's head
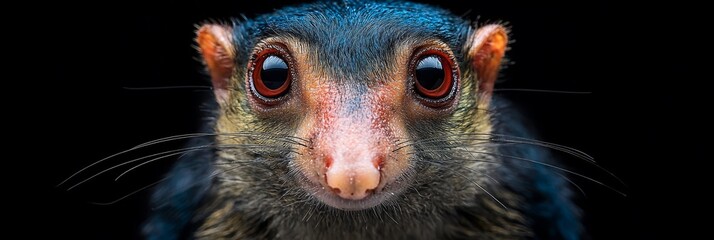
x,y
353,85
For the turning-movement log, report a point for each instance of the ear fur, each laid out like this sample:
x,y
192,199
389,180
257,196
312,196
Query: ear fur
x,y
486,48
215,42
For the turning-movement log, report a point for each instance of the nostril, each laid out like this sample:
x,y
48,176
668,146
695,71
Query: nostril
x,y
328,162
336,190
378,162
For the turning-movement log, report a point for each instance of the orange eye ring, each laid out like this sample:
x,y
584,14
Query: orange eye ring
x,y
433,75
271,74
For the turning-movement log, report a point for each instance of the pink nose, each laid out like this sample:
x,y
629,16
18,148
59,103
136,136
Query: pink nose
x,y
353,180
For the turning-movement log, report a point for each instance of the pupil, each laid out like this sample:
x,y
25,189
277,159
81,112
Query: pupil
x,y
274,72
430,73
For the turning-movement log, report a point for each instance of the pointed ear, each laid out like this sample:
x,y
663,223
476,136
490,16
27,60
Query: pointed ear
x,y
486,48
215,42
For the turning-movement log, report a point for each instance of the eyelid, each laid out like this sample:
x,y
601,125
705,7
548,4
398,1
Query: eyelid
x,y
258,90
446,95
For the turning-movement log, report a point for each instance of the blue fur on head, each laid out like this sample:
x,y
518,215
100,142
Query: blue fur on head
x,y
355,38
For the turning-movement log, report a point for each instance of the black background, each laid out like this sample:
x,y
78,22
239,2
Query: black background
x,y
84,59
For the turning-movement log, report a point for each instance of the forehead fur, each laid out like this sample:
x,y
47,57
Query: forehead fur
x,y
354,39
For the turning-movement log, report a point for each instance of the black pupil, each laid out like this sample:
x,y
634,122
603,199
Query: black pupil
x,y
274,72
430,73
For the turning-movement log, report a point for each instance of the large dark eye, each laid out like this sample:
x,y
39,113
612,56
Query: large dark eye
x,y
271,74
433,75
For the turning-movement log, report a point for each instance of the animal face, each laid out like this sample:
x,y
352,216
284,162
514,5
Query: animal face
x,y
357,87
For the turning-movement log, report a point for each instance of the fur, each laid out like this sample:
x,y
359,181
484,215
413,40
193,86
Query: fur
x,y
469,191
